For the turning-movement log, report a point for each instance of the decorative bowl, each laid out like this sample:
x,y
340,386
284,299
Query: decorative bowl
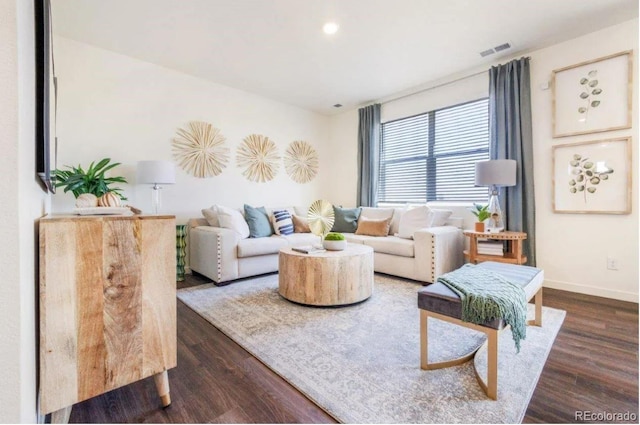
x,y
334,245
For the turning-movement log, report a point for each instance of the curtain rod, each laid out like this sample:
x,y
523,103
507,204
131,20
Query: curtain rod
x,y
475,74
435,87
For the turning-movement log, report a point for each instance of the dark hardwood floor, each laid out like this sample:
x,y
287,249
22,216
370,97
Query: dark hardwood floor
x,y
592,366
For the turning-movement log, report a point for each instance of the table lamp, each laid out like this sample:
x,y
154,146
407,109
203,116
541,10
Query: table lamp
x,y
496,173
156,173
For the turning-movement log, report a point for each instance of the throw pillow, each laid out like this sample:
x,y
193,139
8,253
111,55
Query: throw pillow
x,y
211,215
300,224
282,222
412,220
346,219
233,220
258,221
375,213
439,217
373,227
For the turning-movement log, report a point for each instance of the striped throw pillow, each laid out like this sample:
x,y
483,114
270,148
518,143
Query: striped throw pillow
x,y
282,223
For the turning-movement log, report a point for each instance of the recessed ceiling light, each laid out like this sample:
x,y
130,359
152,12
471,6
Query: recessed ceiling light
x,y
337,105
330,28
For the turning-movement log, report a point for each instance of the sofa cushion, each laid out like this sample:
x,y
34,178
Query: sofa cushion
x,y
353,238
439,217
258,221
299,239
211,215
392,245
233,220
395,220
373,213
346,219
412,220
373,227
300,224
261,246
282,223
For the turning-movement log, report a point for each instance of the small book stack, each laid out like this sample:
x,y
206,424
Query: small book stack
x,y
488,247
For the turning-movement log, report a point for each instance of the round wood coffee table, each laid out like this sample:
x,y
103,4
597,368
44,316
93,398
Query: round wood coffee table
x,y
330,278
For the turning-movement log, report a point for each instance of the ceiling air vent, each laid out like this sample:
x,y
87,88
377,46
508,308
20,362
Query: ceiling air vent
x,y
487,53
496,49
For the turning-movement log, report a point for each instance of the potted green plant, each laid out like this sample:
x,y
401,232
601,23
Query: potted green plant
x,y
334,242
93,181
482,213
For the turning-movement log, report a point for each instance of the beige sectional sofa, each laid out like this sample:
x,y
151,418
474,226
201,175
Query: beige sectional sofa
x,y
223,256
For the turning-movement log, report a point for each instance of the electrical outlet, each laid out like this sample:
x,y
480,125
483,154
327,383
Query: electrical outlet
x,y
612,263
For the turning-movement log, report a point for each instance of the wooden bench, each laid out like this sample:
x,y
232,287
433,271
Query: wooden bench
x,y
440,302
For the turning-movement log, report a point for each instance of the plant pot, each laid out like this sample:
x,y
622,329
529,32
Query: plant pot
x,y
480,226
334,245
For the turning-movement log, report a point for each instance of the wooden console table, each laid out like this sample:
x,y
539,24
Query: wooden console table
x,y
513,255
107,306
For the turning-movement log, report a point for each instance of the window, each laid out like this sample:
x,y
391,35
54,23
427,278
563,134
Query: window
x,y
432,156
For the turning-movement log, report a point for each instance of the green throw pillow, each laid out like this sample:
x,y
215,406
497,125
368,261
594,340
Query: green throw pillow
x,y
346,219
258,221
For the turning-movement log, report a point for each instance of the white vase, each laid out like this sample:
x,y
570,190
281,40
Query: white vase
x,y
334,245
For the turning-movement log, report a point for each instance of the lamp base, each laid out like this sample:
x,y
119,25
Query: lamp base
x,y
155,198
495,224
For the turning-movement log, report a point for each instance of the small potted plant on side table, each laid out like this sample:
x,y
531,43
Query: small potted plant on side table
x,y
482,213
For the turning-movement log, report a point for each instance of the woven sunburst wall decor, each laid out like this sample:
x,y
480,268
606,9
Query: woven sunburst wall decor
x,y
200,149
258,155
301,162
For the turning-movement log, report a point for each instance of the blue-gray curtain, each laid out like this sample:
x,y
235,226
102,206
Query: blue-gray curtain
x,y
368,155
510,129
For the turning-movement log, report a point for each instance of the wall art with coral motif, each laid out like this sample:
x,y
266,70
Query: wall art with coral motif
x,y
592,177
593,96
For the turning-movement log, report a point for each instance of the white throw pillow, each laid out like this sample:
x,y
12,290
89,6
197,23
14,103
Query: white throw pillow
x,y
412,220
211,215
439,217
233,220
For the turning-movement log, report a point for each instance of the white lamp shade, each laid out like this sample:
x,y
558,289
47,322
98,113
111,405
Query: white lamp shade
x,y
497,172
156,172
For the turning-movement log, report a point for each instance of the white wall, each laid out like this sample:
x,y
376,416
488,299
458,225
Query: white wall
x,y
10,258
111,105
22,204
571,248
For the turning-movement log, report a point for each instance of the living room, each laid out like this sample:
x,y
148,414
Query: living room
x,y
117,100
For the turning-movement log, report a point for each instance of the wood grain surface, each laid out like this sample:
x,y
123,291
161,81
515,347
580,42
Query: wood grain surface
x,y
107,304
327,279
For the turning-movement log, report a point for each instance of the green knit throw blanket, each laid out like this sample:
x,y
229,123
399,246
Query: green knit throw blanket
x,y
487,296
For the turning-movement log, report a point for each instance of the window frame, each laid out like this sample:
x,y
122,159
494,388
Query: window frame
x,y
430,157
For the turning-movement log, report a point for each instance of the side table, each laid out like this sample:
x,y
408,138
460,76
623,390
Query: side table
x,y
513,255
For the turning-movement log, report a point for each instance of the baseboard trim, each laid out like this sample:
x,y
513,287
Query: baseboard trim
x,y
591,290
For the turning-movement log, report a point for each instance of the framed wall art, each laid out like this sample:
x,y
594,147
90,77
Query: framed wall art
x,y
592,177
593,96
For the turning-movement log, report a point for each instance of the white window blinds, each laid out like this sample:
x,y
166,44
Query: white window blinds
x,y
431,156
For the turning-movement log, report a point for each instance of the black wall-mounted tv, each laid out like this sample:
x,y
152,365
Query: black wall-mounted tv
x,y
45,96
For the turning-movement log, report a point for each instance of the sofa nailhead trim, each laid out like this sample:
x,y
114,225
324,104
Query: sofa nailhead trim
x,y
433,258
219,255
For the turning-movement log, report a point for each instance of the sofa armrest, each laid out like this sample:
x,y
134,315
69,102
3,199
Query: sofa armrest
x,y
438,250
213,252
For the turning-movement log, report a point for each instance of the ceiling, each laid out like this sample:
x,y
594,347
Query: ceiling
x,y
276,48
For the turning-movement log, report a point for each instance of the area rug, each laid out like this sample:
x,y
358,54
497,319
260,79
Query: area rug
x,y
361,363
